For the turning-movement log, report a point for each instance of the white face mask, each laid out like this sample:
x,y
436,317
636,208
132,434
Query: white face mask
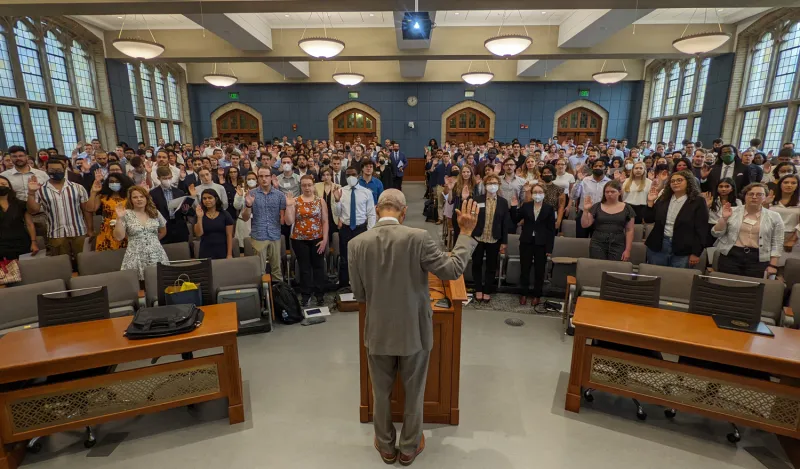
x,y
629,166
352,181
251,183
148,154
166,183
492,188
538,198
287,167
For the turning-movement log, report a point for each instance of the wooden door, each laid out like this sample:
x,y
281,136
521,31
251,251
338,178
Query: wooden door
x,y
468,125
238,126
355,123
581,124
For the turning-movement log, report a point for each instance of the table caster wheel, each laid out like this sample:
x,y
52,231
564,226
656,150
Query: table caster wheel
x,y
89,443
34,447
669,413
641,414
734,437
588,395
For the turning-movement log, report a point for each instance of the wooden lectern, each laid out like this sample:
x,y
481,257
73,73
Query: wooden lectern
x,y
441,390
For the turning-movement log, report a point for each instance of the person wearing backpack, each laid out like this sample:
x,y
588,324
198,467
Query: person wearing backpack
x,y
389,267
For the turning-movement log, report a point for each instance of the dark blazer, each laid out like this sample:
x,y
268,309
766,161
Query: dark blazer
x,y
395,160
741,176
177,230
386,176
690,229
539,231
501,224
342,177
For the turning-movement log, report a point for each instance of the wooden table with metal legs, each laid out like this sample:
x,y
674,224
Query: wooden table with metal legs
x,y
719,392
27,412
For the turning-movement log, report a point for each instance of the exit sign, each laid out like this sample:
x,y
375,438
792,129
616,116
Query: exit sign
x,y
352,95
233,95
583,93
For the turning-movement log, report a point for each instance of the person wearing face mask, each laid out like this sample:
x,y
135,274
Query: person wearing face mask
x,y
490,160
17,233
386,170
242,229
64,203
354,207
729,166
537,239
593,187
491,232
635,190
162,195
106,195
288,180
780,170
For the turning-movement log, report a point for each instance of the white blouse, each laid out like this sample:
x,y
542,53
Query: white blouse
x,y
636,197
789,215
564,181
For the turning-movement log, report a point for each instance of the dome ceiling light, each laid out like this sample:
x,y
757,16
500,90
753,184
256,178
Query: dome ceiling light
x,y
507,45
220,80
321,47
136,47
477,78
348,78
610,77
702,43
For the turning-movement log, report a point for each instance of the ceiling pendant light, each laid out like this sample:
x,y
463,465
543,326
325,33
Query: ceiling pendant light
x,y
507,45
477,78
136,47
321,47
695,44
348,78
221,80
610,77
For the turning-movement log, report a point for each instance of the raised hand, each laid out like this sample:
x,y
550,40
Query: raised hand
x,y
120,211
727,211
33,184
240,191
705,171
770,198
97,185
198,210
275,182
290,201
148,165
467,216
337,193
587,203
249,198
192,190
98,175
652,195
767,167
709,198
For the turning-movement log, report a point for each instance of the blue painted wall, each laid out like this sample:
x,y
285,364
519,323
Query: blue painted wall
x,y
308,105
716,100
120,89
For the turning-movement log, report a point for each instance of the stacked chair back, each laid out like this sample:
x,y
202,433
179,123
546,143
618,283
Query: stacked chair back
x,y
736,299
198,270
634,289
70,306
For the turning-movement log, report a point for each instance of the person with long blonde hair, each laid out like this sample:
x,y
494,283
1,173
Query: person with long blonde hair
x,y
529,171
141,222
636,188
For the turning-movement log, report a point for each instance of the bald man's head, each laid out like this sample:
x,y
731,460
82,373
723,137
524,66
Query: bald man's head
x,y
392,203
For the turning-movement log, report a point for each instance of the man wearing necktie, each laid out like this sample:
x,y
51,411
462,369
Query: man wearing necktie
x,y
399,163
728,165
355,210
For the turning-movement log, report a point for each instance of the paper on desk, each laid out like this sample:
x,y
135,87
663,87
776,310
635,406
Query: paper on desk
x,y
344,297
175,204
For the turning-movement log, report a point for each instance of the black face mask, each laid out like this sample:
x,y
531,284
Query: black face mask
x,y
326,162
547,178
59,176
662,167
4,191
598,171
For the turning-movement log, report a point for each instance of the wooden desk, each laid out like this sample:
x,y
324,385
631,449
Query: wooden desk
x,y
770,406
51,408
442,386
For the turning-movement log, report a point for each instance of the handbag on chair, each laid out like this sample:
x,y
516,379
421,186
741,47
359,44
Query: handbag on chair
x,y
9,272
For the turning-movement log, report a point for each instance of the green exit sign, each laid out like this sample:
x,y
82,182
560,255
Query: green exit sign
x,y
583,93
352,95
235,95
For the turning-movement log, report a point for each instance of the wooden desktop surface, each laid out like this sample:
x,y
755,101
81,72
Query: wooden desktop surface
x,y
685,330
26,353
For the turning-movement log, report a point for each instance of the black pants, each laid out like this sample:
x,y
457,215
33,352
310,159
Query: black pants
x,y
639,210
536,255
580,231
488,283
345,235
398,182
312,267
742,261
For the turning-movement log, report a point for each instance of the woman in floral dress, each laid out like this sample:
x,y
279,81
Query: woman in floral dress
x,y
108,195
309,215
144,226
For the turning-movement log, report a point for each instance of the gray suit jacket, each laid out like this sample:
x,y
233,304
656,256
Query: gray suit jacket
x,y
389,267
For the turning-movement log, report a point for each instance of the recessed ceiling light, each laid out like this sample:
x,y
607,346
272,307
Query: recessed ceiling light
x,y
544,12
372,14
720,9
119,17
457,13
286,16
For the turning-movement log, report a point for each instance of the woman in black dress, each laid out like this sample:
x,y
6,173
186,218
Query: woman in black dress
x,y
231,182
537,238
216,229
17,235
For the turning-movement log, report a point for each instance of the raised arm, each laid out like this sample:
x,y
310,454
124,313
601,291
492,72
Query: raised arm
x,y
451,267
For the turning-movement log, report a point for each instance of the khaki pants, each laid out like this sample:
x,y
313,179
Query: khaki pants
x,y
413,373
71,246
269,251
440,201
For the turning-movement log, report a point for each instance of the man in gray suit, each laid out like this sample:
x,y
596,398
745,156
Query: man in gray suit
x,y
389,267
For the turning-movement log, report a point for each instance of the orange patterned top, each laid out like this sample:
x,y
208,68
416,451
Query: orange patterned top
x,y
307,219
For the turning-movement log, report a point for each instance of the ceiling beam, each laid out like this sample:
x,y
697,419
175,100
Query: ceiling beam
x,y
588,28
536,68
112,7
291,69
413,68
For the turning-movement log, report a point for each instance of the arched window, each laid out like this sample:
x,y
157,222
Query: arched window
x,y
770,105
48,86
679,90
158,88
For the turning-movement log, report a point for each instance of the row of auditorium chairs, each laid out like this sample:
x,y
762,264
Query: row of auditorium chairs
x,y
18,307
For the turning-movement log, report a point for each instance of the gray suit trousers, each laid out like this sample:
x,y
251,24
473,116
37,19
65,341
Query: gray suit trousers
x,y
413,373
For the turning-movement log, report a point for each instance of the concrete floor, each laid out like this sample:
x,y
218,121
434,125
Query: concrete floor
x,y
302,397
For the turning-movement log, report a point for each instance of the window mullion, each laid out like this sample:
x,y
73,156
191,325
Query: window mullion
x,y
773,69
698,67
45,64
19,84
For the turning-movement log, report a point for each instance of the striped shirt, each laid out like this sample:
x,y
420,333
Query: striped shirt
x,y
63,209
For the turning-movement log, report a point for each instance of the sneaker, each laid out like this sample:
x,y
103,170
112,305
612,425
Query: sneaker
x,y
407,459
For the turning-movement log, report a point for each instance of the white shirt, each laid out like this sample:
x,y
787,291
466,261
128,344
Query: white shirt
x,y
591,187
675,206
365,206
19,181
209,151
564,181
727,171
176,176
215,187
635,196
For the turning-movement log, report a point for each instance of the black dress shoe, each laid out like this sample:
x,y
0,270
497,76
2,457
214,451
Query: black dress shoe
x,y
320,301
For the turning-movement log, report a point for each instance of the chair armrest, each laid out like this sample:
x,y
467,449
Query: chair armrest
x,y
266,283
787,318
571,282
266,278
787,311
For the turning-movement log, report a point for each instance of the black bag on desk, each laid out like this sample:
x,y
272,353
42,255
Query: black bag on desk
x,y
163,321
